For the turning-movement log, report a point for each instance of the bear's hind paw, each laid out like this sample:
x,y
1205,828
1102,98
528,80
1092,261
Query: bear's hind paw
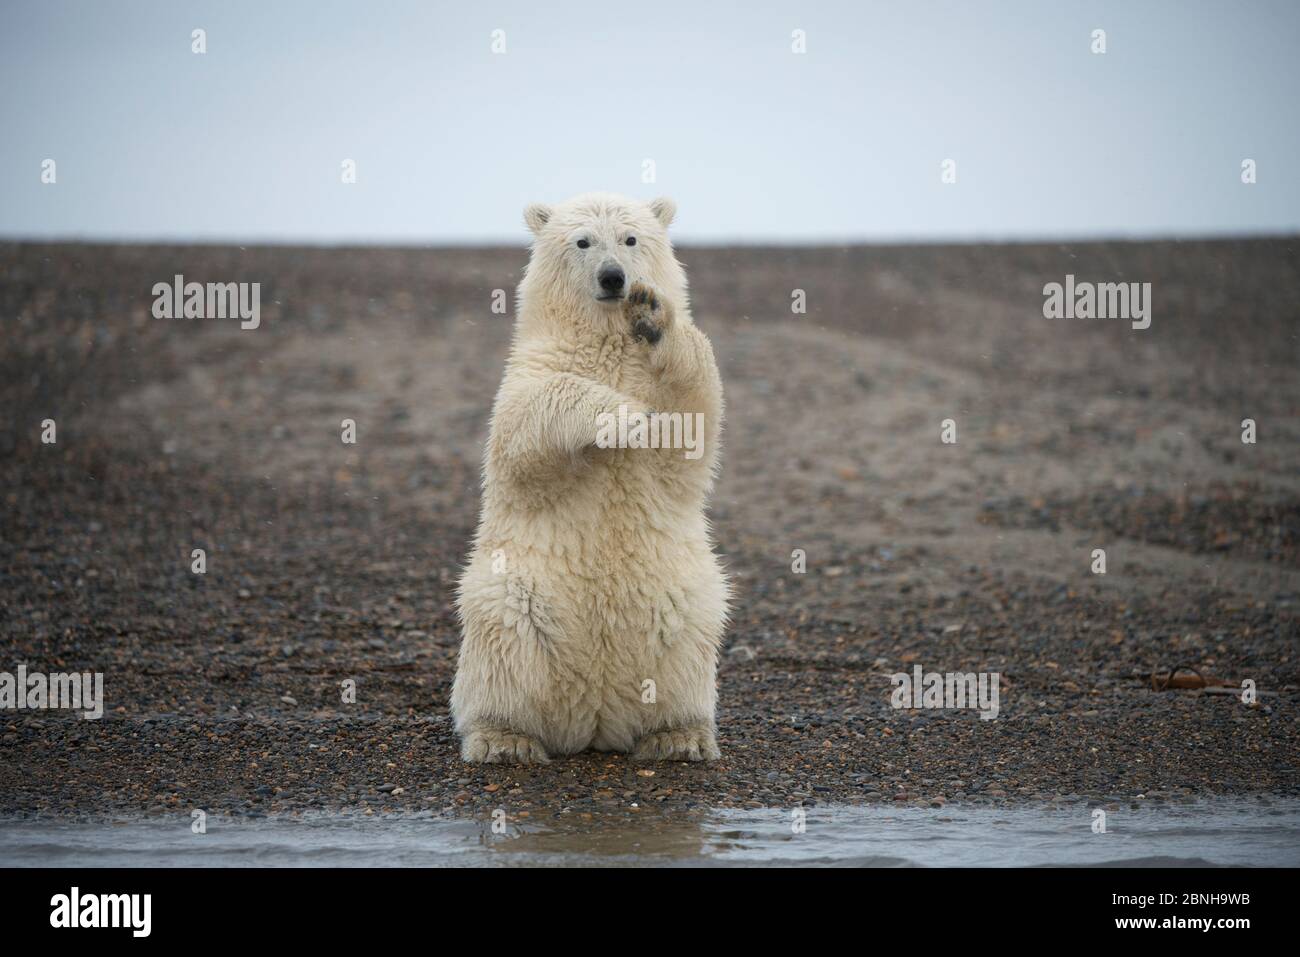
x,y
677,744
497,746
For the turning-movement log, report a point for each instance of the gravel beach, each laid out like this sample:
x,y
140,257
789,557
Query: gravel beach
x,y
329,563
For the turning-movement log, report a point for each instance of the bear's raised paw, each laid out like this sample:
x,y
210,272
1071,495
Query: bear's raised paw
x,y
648,315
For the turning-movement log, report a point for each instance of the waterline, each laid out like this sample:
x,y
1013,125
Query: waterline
x,y
1224,833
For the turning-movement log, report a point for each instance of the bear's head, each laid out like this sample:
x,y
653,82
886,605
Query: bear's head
x,y
589,250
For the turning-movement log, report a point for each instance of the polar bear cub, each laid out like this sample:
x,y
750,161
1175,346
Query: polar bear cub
x,y
593,604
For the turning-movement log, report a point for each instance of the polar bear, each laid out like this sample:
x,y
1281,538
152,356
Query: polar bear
x,y
593,604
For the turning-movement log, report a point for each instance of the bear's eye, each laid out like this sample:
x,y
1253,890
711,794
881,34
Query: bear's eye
x,y
631,240
583,244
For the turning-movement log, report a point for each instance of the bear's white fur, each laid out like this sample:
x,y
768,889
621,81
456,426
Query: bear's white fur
x,y
593,604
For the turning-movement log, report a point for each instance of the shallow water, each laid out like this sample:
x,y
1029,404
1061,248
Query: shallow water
x,y
1225,833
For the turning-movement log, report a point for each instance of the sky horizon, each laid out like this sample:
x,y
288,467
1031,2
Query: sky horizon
x,y
454,127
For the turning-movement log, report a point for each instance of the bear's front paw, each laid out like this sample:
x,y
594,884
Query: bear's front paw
x,y
678,744
648,315
495,746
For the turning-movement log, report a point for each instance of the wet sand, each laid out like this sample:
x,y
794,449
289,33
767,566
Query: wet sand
x,y
329,562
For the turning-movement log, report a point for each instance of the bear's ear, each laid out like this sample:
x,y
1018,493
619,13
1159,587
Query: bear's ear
x,y
664,209
536,215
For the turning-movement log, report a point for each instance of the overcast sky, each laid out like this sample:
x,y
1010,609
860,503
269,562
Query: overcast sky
x,y
756,143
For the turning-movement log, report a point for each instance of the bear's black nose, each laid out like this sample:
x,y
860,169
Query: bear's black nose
x,y
611,279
